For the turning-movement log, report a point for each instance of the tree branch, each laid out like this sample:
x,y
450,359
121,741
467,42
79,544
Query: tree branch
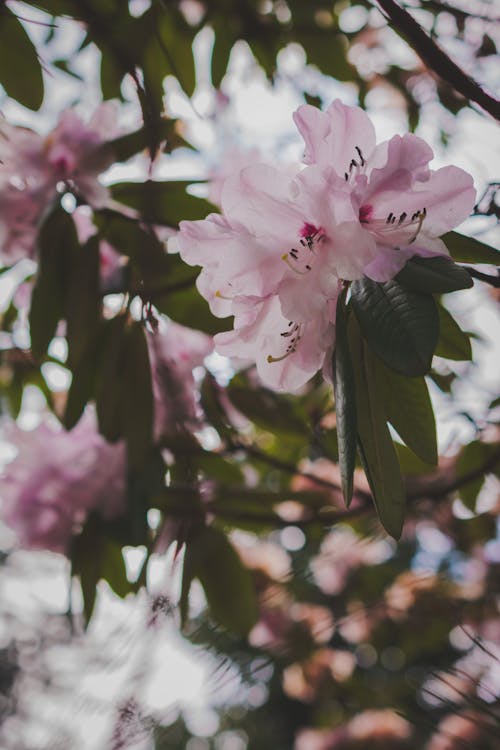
x,y
436,59
491,280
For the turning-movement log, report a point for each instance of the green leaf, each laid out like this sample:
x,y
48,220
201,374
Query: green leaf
x,y
57,242
469,250
401,326
83,306
162,202
20,70
223,44
275,412
110,380
126,146
228,585
345,402
187,307
410,463
377,450
453,343
438,274
95,557
112,74
137,404
409,409
472,458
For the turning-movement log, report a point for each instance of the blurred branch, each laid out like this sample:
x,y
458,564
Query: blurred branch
x,y
491,280
436,59
458,13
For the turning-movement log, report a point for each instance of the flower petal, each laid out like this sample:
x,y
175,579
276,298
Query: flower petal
x,y
331,137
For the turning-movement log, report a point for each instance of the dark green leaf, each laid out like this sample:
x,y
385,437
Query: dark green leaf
x,y
128,145
187,307
83,306
57,242
471,461
428,275
377,450
138,397
345,402
162,202
401,326
84,379
409,409
275,412
223,44
20,70
110,383
453,342
112,74
469,250
227,583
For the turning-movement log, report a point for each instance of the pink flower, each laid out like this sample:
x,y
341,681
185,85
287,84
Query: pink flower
x,y
403,205
56,478
74,151
174,354
32,166
277,256
233,160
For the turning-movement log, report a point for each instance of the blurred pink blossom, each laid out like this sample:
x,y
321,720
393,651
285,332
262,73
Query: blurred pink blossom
x,y
56,478
174,354
32,166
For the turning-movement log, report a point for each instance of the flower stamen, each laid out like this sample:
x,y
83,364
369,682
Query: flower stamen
x,y
295,333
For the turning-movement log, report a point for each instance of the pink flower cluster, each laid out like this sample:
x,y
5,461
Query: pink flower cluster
x,y
32,167
173,355
278,254
56,479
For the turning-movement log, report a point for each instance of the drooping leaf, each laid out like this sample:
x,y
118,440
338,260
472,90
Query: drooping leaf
x,y
223,44
20,70
453,343
83,305
228,586
345,402
137,404
472,458
469,250
377,451
429,275
401,326
409,409
57,242
110,381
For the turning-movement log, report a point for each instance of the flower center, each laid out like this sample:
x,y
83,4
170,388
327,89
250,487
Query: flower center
x,y
404,227
299,258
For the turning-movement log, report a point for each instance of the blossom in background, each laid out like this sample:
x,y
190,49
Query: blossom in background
x,y
56,478
32,166
174,353
277,256
378,729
